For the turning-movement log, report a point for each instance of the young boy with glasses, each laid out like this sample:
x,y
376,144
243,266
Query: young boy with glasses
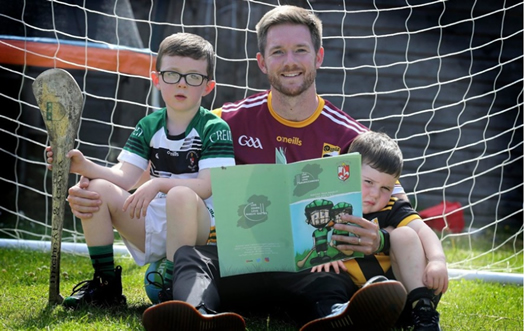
x,y
181,141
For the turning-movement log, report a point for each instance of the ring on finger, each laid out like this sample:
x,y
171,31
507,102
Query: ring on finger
x,y
359,240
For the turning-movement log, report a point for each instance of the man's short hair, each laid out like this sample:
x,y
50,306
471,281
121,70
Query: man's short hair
x,y
291,15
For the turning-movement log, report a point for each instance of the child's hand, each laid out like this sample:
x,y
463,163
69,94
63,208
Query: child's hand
x,y
138,202
436,276
78,161
326,267
49,155
83,202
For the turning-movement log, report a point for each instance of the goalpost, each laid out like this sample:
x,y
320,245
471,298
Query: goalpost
x,y
444,78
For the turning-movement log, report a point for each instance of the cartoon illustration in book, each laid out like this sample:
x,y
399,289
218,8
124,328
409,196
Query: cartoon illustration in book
x,y
318,214
338,210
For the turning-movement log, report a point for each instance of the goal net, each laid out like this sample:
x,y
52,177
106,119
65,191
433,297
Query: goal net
x,y
444,78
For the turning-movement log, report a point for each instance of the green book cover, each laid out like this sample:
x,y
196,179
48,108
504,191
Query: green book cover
x,y
280,217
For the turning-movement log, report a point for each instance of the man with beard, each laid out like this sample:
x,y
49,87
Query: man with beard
x,y
292,117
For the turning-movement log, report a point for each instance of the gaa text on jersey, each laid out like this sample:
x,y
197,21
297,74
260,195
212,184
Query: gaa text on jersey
x,y
250,142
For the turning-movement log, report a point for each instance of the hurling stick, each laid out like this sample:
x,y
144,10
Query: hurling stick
x,y
60,101
301,263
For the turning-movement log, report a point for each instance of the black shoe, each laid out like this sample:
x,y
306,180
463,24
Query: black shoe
x,y
376,306
100,291
425,317
179,315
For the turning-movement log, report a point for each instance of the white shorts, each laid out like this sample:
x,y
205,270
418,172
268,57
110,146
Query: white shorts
x,y
155,244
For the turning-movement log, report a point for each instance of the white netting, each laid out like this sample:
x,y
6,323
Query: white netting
x,y
444,78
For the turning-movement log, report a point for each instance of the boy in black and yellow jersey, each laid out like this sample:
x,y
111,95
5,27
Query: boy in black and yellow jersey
x,y
410,251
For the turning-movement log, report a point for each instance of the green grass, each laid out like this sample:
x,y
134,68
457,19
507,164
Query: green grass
x,y
24,276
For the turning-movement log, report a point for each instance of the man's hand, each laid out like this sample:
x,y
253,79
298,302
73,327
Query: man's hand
x,y
366,238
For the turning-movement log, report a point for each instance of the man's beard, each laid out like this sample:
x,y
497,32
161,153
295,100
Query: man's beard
x,y
275,82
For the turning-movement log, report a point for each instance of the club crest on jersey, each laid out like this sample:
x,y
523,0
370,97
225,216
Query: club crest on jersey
x,y
343,172
191,157
331,150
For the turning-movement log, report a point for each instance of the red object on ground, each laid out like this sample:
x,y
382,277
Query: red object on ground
x,y
444,214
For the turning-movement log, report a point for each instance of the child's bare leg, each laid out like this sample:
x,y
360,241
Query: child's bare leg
x,y
106,287
408,257
188,220
408,263
98,230
187,223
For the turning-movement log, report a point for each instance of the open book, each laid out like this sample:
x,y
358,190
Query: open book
x,y
280,217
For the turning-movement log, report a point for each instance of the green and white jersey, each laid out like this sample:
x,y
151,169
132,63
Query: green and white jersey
x,y
207,143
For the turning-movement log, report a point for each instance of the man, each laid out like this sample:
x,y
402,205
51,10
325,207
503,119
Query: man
x,y
290,116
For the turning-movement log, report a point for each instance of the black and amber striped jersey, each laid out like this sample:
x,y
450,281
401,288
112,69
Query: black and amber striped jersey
x,y
396,213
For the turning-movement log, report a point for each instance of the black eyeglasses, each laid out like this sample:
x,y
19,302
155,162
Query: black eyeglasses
x,y
173,77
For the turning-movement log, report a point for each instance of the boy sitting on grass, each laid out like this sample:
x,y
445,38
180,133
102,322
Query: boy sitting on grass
x,y
181,142
410,250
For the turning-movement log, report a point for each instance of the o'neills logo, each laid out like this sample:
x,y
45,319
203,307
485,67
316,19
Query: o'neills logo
x,y
292,141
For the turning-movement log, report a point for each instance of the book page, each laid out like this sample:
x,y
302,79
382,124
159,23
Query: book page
x,y
322,189
280,217
254,233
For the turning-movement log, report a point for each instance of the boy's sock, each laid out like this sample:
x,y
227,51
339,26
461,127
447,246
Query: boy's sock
x,y
405,321
423,310
419,293
102,260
